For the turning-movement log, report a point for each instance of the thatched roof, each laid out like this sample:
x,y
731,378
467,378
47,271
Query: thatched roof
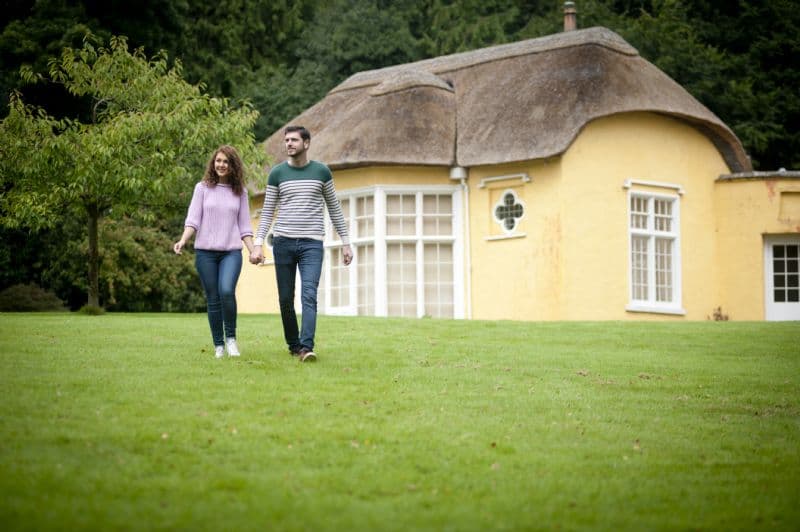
x,y
514,102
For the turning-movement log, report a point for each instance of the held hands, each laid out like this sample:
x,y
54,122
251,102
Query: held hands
x,y
257,255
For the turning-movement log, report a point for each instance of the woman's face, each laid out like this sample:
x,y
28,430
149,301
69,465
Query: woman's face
x,y
221,164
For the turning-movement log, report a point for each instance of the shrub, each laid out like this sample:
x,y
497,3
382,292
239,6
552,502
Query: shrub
x,y
92,310
29,298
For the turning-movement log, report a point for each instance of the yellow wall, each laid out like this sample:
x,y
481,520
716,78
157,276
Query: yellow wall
x,y
257,291
573,262
647,147
390,175
516,277
568,258
746,211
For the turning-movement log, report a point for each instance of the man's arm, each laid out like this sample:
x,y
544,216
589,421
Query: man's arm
x,y
264,223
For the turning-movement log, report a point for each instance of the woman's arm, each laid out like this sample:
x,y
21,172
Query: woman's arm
x,y
188,232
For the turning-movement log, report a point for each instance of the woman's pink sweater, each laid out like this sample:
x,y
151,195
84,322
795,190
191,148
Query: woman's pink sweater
x,y
220,217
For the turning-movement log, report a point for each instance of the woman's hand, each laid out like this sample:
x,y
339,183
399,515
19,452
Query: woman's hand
x,y
187,234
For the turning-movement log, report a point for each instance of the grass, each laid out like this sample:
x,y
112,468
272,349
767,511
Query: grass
x,y
127,422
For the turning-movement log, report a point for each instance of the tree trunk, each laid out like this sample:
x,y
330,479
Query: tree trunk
x,y
94,256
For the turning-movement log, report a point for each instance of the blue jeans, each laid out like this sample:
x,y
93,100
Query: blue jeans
x,y
219,272
291,254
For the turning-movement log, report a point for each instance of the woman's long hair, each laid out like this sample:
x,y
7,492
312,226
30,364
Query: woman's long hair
x,y
235,167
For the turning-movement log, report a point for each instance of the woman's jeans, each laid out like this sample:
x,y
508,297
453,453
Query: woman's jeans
x,y
219,272
291,254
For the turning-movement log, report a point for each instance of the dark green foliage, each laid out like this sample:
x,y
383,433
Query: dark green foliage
x,y
138,270
147,139
29,298
740,59
737,58
20,257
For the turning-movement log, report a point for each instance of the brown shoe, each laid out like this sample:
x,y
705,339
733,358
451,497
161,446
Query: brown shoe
x,y
306,355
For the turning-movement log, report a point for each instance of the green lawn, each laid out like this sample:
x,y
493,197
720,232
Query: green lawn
x,y
127,422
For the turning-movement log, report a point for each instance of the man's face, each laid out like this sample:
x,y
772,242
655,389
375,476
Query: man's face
x,y
295,145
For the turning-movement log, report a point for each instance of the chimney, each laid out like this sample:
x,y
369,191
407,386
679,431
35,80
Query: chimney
x,y
570,16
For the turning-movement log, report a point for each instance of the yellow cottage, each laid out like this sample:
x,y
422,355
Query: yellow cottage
x,y
559,178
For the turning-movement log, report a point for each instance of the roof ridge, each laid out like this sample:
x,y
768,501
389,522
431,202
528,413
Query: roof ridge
x,y
596,35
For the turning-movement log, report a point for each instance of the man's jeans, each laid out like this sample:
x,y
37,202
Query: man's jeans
x,y
219,272
291,254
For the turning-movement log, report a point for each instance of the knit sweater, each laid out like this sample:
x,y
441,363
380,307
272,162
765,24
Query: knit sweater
x,y
300,195
220,217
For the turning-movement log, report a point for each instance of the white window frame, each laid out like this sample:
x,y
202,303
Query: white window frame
x,y
651,304
777,310
380,240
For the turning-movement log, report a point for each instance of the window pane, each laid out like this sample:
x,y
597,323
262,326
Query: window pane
x,y
437,215
438,280
663,270
339,279
793,296
365,270
791,265
639,267
436,204
780,296
791,281
792,251
401,215
638,212
663,215
401,282
393,204
437,225
430,204
778,252
365,212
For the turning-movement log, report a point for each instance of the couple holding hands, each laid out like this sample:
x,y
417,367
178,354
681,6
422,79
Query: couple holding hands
x,y
219,215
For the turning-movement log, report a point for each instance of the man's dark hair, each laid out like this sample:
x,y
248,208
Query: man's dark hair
x,y
304,133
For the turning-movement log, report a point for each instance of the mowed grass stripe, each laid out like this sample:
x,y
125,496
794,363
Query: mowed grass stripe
x,y
127,422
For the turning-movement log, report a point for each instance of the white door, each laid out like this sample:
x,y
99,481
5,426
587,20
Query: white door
x,y
781,260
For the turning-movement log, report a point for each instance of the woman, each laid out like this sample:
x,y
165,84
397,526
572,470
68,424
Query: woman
x,y
220,215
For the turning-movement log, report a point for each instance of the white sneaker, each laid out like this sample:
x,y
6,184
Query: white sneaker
x,y
219,351
233,349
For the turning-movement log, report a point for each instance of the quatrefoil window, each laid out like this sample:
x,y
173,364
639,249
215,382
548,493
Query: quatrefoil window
x,y
508,211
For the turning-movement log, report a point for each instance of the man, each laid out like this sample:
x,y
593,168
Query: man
x,y
299,187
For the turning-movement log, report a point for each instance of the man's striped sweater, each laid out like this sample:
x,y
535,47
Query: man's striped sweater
x,y
299,195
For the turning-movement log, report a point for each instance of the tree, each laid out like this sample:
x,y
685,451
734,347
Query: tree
x,y
148,136
138,271
33,35
344,37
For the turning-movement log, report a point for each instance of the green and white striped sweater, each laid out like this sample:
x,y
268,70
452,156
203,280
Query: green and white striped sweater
x,y
299,195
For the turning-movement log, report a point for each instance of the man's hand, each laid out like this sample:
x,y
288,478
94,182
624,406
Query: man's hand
x,y
347,253
257,256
